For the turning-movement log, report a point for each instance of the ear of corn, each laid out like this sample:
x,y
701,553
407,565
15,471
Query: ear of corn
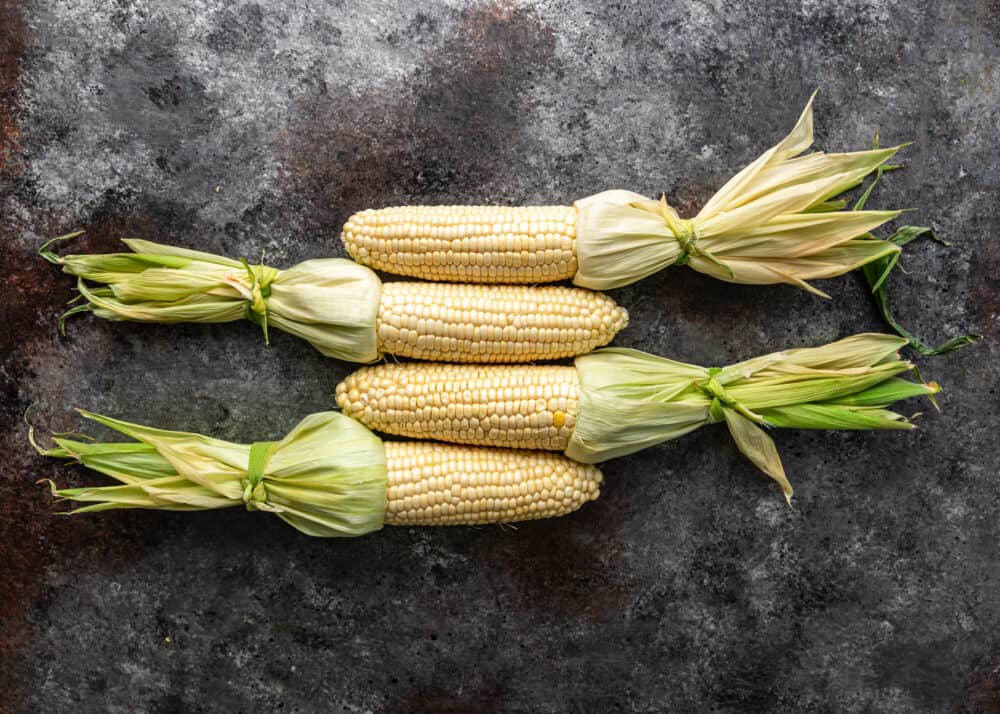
x,y
617,401
630,400
434,484
343,309
771,223
331,303
499,323
329,477
520,407
476,244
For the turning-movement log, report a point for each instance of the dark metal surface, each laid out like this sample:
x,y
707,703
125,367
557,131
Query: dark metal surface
x,y
247,127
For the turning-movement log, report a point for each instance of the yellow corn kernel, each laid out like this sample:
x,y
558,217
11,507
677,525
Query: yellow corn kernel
x,y
434,484
478,244
495,323
523,407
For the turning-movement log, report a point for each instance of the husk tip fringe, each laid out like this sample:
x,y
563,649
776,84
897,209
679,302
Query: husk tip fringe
x,y
52,256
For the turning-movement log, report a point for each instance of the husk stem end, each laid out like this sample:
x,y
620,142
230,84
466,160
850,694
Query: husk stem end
x,y
50,255
75,310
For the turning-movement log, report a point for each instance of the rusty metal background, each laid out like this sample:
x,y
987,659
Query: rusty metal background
x,y
242,127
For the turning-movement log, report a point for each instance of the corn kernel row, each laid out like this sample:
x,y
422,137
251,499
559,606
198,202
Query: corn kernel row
x,y
502,244
520,407
433,484
498,323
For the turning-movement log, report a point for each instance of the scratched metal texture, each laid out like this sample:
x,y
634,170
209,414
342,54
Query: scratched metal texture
x,y
258,127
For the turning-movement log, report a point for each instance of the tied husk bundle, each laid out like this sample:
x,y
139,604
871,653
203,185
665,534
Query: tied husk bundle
x,y
332,303
630,400
327,477
776,221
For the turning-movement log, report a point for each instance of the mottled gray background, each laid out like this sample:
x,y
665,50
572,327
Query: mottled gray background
x,y
241,127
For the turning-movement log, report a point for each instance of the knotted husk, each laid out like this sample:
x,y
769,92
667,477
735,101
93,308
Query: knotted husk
x,y
630,400
327,477
332,303
773,222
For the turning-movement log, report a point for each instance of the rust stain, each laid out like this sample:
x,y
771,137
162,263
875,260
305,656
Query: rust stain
x,y
36,292
33,539
15,516
983,695
12,46
444,133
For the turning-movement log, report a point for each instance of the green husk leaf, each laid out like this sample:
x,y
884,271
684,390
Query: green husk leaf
x,y
129,463
327,477
827,206
331,303
887,392
834,417
202,307
876,274
45,250
149,248
630,400
116,267
757,446
765,393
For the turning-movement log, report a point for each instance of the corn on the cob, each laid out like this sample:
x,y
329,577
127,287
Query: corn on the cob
x,y
614,402
514,406
502,323
773,222
434,484
481,244
344,310
329,477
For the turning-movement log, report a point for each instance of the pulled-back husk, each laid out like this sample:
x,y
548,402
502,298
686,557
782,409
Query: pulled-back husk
x,y
773,222
630,400
332,303
327,477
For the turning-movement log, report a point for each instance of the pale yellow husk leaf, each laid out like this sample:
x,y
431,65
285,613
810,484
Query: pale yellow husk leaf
x,y
758,227
327,477
333,303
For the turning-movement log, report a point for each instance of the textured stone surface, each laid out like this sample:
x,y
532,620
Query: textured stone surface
x,y
244,127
